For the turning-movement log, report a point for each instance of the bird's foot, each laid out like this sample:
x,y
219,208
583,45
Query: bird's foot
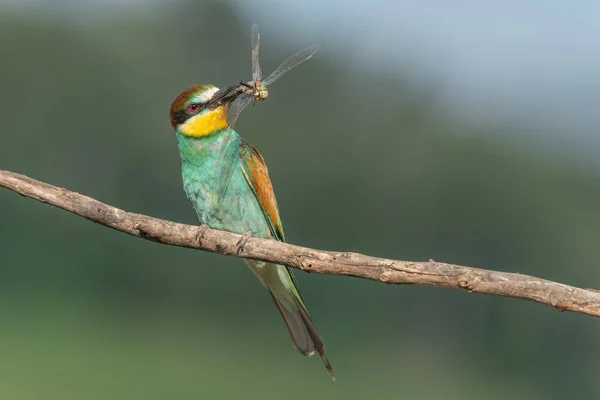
x,y
239,246
201,231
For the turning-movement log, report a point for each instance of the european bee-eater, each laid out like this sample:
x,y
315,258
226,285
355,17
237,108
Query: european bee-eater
x,y
226,179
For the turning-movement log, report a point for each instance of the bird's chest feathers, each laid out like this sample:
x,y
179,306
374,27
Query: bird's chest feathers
x,y
210,166
214,181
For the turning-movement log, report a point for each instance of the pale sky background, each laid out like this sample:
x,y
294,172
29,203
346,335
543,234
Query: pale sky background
x,y
510,58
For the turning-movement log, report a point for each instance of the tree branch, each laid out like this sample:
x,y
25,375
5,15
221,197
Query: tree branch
x,y
430,273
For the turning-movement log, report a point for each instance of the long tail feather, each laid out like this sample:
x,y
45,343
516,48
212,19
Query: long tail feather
x,y
304,333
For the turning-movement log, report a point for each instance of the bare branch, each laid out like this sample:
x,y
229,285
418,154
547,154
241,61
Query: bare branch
x,y
430,273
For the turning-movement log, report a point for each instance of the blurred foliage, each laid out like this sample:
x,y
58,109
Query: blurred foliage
x,y
360,162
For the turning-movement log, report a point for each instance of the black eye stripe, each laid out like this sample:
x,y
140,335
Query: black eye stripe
x,y
183,115
180,116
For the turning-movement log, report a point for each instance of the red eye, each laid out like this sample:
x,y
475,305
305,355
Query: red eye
x,y
194,107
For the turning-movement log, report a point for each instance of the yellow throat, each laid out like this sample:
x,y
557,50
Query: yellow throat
x,y
205,124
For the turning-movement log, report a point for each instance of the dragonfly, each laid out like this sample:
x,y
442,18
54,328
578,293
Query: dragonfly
x,y
245,93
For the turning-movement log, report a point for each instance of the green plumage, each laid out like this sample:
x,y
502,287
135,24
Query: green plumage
x,y
217,172
214,182
213,179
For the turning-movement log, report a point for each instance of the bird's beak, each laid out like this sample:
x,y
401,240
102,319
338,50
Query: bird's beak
x,y
224,96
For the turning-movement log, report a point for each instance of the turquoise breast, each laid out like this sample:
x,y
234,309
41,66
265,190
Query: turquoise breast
x,y
214,182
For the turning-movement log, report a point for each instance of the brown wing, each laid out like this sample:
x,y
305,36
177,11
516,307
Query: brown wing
x,y
257,175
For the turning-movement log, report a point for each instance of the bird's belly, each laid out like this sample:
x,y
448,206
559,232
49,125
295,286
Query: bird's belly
x,y
229,206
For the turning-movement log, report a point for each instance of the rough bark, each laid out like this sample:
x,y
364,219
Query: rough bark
x,y
429,273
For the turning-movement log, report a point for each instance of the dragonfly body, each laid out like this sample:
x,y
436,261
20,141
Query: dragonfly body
x,y
255,89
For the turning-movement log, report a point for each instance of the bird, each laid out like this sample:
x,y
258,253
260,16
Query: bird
x,y
228,183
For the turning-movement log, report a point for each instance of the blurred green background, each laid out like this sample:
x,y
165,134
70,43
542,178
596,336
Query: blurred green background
x,y
367,154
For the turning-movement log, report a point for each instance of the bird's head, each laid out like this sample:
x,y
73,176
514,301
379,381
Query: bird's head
x,y
200,110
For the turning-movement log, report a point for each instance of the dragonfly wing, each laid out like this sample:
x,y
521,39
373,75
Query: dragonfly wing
x,y
255,42
237,106
291,62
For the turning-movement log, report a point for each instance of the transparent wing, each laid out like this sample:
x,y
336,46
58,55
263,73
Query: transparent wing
x,y
255,42
237,106
290,63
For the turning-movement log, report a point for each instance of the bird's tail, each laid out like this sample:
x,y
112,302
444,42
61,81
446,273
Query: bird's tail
x,y
282,286
302,329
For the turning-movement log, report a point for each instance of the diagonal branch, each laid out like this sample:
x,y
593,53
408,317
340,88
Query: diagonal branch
x,y
430,273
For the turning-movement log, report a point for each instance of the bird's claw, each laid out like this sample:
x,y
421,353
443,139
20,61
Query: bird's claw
x,y
201,231
239,246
